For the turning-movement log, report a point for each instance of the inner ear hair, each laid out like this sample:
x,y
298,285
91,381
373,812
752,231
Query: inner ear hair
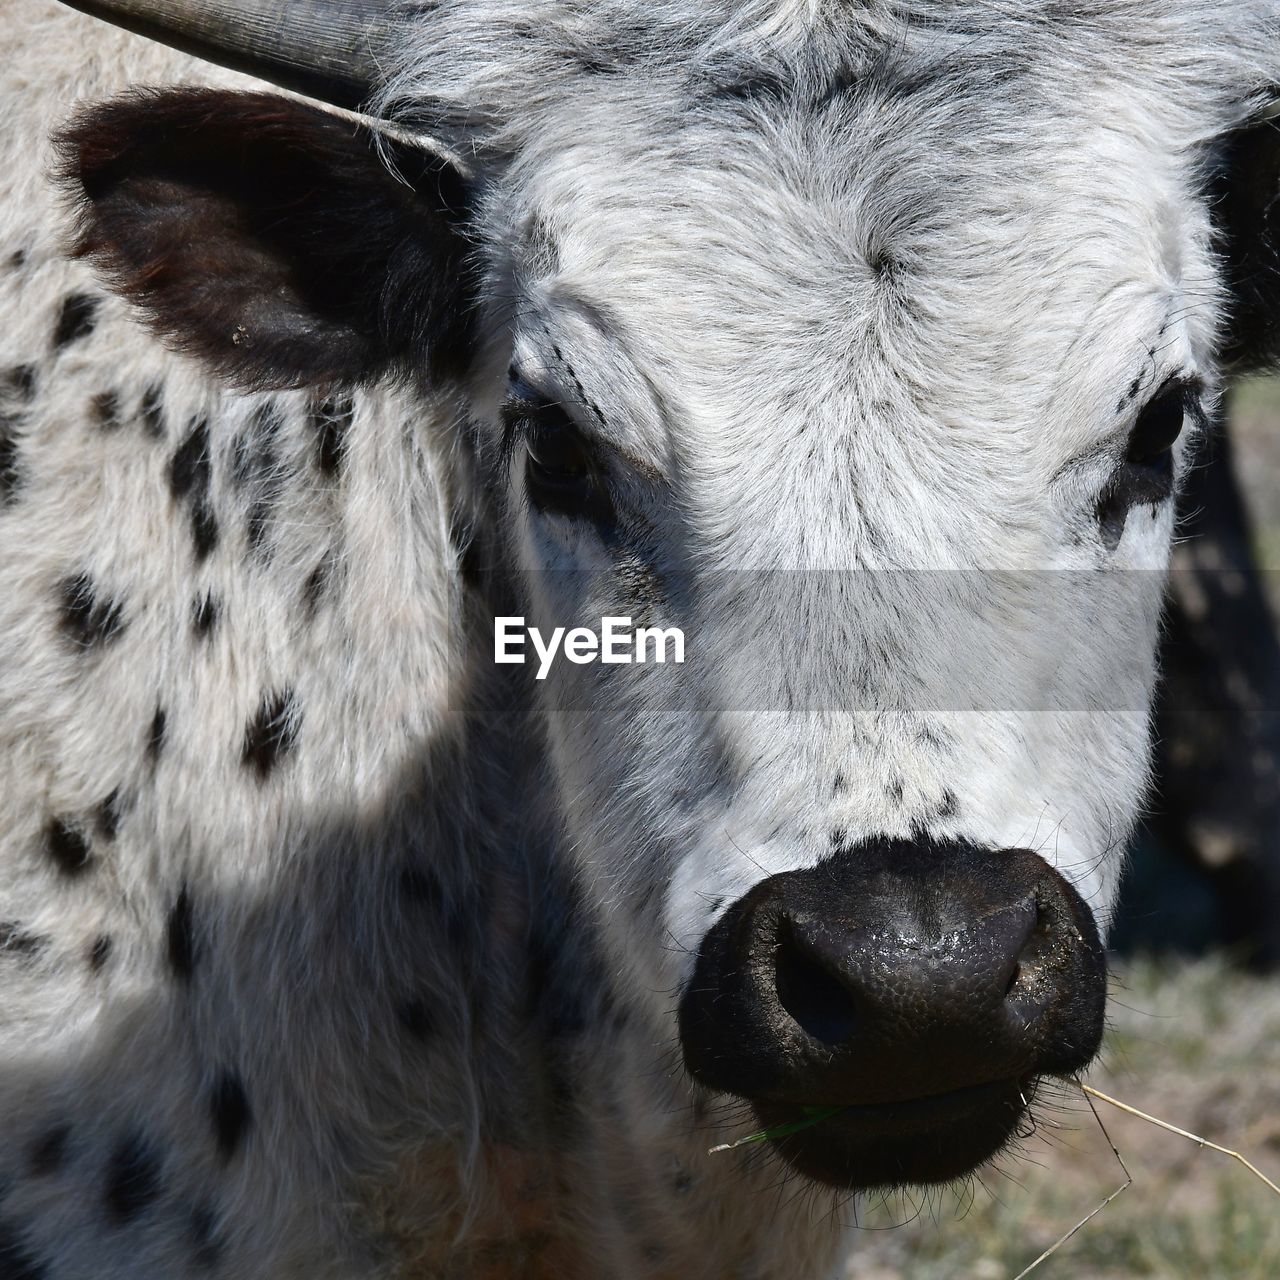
x,y
1245,204
280,244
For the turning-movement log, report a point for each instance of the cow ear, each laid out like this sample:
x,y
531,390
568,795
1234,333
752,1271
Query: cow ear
x,y
1246,209
271,239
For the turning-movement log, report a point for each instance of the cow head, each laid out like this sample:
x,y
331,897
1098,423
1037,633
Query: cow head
x,y
865,346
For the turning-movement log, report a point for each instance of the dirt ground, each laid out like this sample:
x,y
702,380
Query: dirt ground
x,y
1192,1042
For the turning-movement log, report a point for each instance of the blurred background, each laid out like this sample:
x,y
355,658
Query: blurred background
x,y
1194,1023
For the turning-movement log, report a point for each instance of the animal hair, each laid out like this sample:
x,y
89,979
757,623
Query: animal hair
x,y
328,947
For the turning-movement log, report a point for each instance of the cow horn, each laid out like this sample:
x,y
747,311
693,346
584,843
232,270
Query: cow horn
x,y
325,49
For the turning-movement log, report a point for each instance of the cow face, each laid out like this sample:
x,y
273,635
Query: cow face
x,y
869,364
891,434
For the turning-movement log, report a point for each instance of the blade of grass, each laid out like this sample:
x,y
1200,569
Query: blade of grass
x,y
1182,1133
1089,1217
812,1116
1090,1094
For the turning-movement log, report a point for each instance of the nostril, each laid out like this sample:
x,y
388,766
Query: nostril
x,y
1030,952
814,997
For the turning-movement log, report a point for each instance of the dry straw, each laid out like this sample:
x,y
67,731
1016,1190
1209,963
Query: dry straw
x,y
811,1116
1090,1094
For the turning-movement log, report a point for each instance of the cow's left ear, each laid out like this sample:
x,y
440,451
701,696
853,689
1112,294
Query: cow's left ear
x,y
1245,203
270,239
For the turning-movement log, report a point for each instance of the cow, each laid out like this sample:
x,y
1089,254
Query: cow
x,y
865,345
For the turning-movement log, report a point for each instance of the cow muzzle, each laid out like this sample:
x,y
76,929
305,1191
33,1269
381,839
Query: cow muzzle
x,y
923,988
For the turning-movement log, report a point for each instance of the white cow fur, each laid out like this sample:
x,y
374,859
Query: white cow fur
x,y
703,269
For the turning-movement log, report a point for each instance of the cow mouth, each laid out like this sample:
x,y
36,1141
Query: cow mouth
x,y
906,1142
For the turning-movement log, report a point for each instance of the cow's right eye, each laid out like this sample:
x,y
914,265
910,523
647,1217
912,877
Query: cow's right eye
x,y
562,474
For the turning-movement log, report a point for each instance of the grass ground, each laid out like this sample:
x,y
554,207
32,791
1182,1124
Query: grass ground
x,y
1254,411
1197,1044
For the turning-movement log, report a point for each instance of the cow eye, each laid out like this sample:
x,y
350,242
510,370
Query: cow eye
x,y
1158,428
1145,477
562,475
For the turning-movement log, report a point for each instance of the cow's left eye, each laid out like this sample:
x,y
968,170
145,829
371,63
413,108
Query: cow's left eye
x,y
1145,477
1158,428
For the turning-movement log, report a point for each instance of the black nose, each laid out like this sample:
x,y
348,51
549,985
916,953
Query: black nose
x,y
921,987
